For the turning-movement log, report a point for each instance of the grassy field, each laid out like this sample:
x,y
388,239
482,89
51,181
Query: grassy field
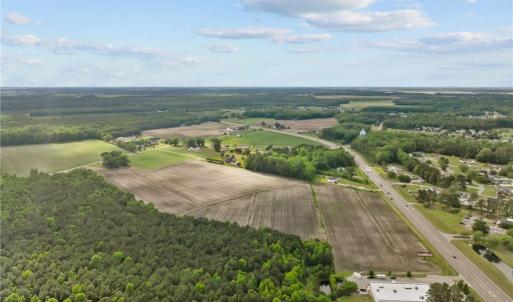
x,y
203,153
444,221
348,182
486,267
356,298
367,103
155,159
264,138
52,157
505,255
490,191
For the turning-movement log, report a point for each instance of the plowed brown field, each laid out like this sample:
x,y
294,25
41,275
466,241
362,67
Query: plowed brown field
x,y
365,233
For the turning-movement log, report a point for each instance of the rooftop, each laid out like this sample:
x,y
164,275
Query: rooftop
x,y
399,291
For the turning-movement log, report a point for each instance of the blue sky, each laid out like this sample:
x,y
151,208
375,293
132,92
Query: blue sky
x,y
257,43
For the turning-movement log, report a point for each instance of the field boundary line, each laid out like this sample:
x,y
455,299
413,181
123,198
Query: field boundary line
x,y
380,228
318,212
238,197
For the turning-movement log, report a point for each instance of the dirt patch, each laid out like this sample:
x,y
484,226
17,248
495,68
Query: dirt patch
x,y
310,125
205,129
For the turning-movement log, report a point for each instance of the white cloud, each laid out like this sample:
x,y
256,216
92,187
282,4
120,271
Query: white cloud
x,y
299,7
317,49
302,39
155,56
278,35
15,61
343,14
457,42
222,47
370,21
243,33
17,19
21,40
66,46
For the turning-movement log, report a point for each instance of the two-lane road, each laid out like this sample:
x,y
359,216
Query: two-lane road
x,y
485,287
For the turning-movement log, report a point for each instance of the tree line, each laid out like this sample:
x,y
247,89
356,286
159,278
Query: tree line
x,y
289,114
302,162
384,147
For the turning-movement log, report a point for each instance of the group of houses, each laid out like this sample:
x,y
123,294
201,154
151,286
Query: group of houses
x,y
145,141
231,130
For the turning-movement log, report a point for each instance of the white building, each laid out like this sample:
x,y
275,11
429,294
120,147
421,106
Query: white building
x,y
362,132
398,291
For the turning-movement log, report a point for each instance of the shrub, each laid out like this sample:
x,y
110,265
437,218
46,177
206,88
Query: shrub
x,y
404,178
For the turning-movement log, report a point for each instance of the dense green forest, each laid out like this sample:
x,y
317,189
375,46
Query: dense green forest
x,y
43,115
448,121
59,115
450,112
344,132
301,162
71,128
73,237
385,147
289,114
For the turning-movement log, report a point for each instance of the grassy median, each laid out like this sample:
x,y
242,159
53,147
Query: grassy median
x,y
485,266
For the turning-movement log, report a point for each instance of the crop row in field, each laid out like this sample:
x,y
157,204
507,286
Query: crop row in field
x,y
363,231
205,129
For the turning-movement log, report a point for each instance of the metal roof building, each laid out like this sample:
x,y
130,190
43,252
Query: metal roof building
x,y
398,291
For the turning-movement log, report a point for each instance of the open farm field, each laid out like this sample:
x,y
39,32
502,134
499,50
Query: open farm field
x,y
366,234
205,129
202,153
289,210
357,105
309,125
52,157
154,159
263,138
192,185
355,97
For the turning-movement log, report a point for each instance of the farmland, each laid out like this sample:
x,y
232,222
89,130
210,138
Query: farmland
x,y
290,210
365,232
154,159
205,129
263,138
192,185
52,157
358,105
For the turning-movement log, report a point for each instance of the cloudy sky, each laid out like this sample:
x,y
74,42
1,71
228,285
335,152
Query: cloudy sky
x,y
257,43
